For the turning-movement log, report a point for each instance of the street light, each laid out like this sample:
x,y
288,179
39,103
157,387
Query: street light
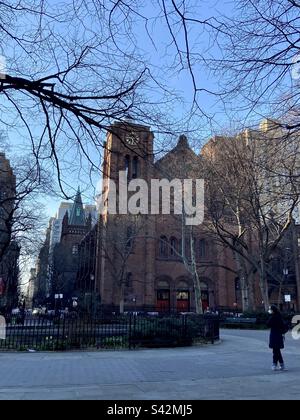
x,y
60,298
92,285
134,300
74,302
92,288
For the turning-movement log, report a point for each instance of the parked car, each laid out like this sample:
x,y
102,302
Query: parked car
x,y
37,311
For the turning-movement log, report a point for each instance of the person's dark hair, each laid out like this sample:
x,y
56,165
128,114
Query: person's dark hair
x,y
275,310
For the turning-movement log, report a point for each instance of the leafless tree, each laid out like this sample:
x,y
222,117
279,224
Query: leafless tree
x,y
21,209
252,207
118,241
21,217
73,68
260,59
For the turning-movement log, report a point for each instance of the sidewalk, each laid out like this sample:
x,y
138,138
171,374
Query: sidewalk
x,y
239,368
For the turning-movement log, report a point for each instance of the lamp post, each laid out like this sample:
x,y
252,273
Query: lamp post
x,y
58,297
74,303
92,288
285,277
134,300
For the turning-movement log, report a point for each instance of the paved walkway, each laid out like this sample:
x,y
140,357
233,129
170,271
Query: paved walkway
x,y
238,368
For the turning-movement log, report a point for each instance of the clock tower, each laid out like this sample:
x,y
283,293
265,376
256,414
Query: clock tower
x,y
128,147
125,240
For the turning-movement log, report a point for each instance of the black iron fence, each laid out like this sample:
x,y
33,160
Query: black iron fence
x,y
74,332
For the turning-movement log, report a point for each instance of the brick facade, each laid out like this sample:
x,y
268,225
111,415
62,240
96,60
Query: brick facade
x,y
9,250
154,276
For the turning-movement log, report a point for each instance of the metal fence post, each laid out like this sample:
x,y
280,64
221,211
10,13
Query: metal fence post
x,y
130,332
212,328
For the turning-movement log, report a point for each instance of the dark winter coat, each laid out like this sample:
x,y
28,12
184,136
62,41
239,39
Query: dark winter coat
x,y
277,326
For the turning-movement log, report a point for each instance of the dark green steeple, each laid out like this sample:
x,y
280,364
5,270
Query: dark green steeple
x,y
77,217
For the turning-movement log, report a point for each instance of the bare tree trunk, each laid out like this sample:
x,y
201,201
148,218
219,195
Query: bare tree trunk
x,y
264,285
122,299
244,282
252,301
196,279
199,307
122,304
296,250
192,267
279,294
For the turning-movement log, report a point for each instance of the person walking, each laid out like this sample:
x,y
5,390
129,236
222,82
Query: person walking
x,y
278,329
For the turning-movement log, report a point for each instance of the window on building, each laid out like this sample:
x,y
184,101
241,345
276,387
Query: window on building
x,y
127,165
182,295
75,250
135,168
163,295
163,246
173,247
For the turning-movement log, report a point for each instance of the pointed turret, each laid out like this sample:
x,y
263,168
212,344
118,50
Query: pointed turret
x,y
183,142
77,217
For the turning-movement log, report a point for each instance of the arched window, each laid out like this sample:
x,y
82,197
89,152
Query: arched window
x,y
163,246
135,168
202,248
173,247
180,247
75,250
163,285
127,165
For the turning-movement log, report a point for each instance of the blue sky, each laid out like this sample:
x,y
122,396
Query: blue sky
x,y
159,57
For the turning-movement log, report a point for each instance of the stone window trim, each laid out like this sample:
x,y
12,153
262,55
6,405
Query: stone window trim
x,y
163,251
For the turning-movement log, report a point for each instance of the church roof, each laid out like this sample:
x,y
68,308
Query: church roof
x,y
77,216
181,162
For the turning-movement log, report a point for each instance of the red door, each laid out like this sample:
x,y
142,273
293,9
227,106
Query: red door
x,y
205,301
163,301
183,302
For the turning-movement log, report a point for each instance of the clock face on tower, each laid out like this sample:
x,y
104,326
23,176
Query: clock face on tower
x,y
132,139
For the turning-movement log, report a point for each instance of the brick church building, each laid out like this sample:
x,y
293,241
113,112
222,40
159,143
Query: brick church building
x,y
143,262
65,265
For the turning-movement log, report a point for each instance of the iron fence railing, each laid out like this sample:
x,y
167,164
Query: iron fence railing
x,y
71,332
